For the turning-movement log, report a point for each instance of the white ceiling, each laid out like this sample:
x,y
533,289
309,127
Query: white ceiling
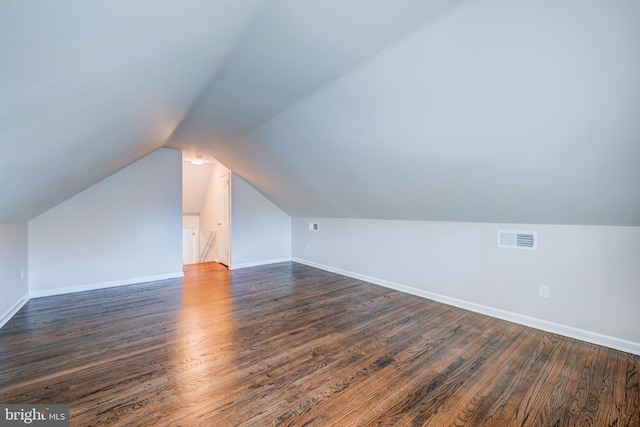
x,y
88,87
471,110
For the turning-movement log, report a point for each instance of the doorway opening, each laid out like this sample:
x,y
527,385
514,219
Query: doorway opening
x,y
206,210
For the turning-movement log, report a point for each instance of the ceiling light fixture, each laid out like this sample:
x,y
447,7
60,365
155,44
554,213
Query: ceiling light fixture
x,y
198,160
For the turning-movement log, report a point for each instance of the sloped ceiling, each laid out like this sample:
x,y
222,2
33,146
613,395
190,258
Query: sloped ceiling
x,y
88,87
493,110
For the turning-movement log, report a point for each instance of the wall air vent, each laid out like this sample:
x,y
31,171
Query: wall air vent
x,y
518,239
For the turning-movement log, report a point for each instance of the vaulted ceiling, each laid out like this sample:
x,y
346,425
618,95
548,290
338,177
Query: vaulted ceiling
x,y
449,110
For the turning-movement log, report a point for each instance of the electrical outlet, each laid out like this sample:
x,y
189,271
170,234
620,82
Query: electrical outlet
x,y
308,246
22,274
543,291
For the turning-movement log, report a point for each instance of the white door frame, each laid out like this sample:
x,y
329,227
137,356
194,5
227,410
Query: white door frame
x,y
223,254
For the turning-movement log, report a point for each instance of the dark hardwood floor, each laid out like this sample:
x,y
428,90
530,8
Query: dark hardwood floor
x,y
291,345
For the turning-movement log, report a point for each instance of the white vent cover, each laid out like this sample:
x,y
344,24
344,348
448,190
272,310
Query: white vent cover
x,y
518,239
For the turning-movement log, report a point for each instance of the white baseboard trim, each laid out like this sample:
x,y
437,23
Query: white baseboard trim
x,y
104,285
568,331
13,310
258,263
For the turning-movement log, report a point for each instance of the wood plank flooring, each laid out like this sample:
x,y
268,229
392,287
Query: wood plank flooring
x,y
290,345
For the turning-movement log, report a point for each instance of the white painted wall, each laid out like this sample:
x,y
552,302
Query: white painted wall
x,y
190,221
13,262
125,229
195,179
261,231
593,271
